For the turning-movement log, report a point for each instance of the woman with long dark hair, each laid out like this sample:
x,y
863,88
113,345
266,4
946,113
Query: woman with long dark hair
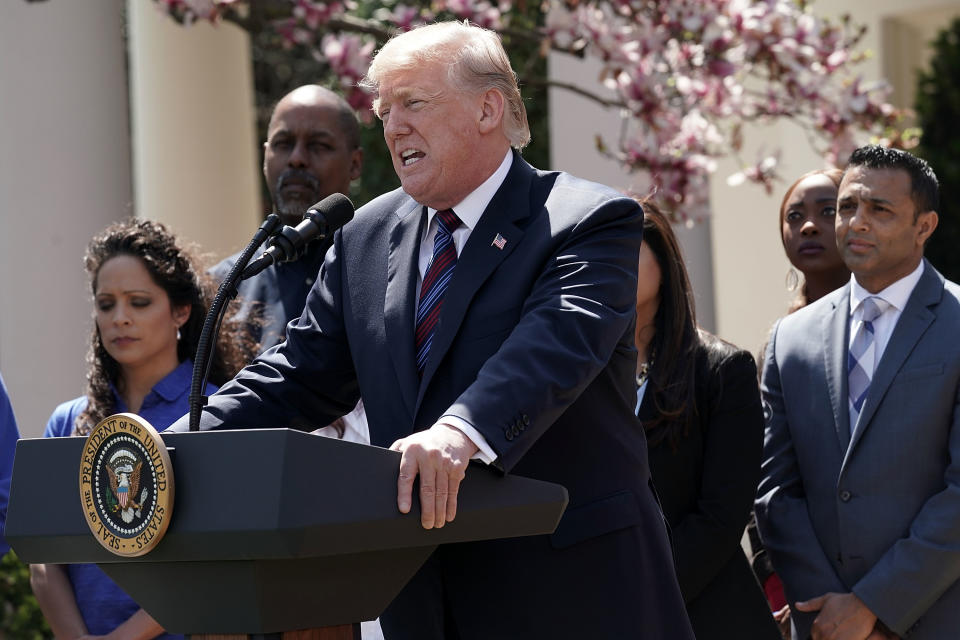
x,y
149,303
699,403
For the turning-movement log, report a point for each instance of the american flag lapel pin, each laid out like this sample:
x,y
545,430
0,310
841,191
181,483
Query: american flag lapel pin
x,y
499,242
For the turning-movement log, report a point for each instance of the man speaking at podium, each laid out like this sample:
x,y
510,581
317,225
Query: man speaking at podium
x,y
484,310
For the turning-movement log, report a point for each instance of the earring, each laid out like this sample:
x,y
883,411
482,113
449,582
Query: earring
x,y
178,334
793,279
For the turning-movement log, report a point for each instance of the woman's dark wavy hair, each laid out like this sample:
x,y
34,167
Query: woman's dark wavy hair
x,y
173,268
671,378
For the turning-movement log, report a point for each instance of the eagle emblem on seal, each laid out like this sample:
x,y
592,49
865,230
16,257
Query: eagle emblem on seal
x,y
124,472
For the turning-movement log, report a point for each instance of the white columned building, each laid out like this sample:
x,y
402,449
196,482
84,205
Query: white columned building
x,y
195,160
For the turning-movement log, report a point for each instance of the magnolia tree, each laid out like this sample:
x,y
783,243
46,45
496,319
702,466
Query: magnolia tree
x,y
683,75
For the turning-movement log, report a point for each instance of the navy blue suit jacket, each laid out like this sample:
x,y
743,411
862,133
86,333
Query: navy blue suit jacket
x,y
534,348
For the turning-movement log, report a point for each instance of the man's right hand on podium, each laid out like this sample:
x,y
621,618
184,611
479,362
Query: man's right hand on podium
x,y
440,456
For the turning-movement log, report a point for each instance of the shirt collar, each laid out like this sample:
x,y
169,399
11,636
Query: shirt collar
x,y
172,386
472,207
896,295
169,389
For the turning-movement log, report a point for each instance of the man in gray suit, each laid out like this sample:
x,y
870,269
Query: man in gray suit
x,y
859,501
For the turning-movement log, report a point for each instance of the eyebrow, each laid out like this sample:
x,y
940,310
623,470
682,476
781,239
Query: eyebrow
x,y
799,203
316,133
870,200
402,93
397,94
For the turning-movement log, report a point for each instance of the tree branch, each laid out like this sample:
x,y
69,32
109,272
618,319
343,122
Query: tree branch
x,y
534,81
373,28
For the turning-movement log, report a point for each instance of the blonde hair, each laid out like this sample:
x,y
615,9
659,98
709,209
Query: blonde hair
x,y
475,61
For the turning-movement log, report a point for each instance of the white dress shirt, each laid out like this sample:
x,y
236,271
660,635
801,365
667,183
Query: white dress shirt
x,y
469,212
896,296
355,427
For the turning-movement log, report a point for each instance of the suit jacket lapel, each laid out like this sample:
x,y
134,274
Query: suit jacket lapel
x,y
479,258
399,306
913,323
835,327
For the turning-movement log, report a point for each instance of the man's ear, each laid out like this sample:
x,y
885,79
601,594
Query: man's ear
x,y
926,224
356,163
491,114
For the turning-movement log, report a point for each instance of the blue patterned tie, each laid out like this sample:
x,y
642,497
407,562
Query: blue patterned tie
x,y
434,284
862,358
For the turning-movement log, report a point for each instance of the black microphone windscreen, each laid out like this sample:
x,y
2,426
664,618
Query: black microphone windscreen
x,y
336,209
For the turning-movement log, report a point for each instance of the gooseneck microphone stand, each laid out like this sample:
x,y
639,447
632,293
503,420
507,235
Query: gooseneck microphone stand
x,y
211,324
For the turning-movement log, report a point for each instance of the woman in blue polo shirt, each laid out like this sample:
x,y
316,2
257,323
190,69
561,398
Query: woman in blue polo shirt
x,y
149,305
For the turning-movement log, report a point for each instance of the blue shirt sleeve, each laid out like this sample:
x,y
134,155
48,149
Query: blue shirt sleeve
x,y
8,443
63,418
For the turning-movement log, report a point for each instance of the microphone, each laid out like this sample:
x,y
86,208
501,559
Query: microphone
x,y
319,222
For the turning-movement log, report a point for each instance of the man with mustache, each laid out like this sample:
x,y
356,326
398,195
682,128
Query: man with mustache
x,y
859,498
312,150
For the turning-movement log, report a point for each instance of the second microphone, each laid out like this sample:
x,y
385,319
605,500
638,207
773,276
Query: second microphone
x,y
319,222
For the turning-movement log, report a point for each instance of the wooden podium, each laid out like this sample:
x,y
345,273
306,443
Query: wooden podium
x,y
273,530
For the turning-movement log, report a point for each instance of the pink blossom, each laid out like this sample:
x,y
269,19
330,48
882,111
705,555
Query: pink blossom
x,y
347,54
403,17
687,72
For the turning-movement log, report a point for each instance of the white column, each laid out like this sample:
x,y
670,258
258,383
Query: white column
x,y
195,153
64,174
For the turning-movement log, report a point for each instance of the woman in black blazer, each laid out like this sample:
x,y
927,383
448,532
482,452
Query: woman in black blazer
x,y
698,401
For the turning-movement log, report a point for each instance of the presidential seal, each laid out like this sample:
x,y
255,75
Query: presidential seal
x,y
126,485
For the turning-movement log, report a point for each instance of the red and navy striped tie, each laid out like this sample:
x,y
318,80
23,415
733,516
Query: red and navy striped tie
x,y
434,284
